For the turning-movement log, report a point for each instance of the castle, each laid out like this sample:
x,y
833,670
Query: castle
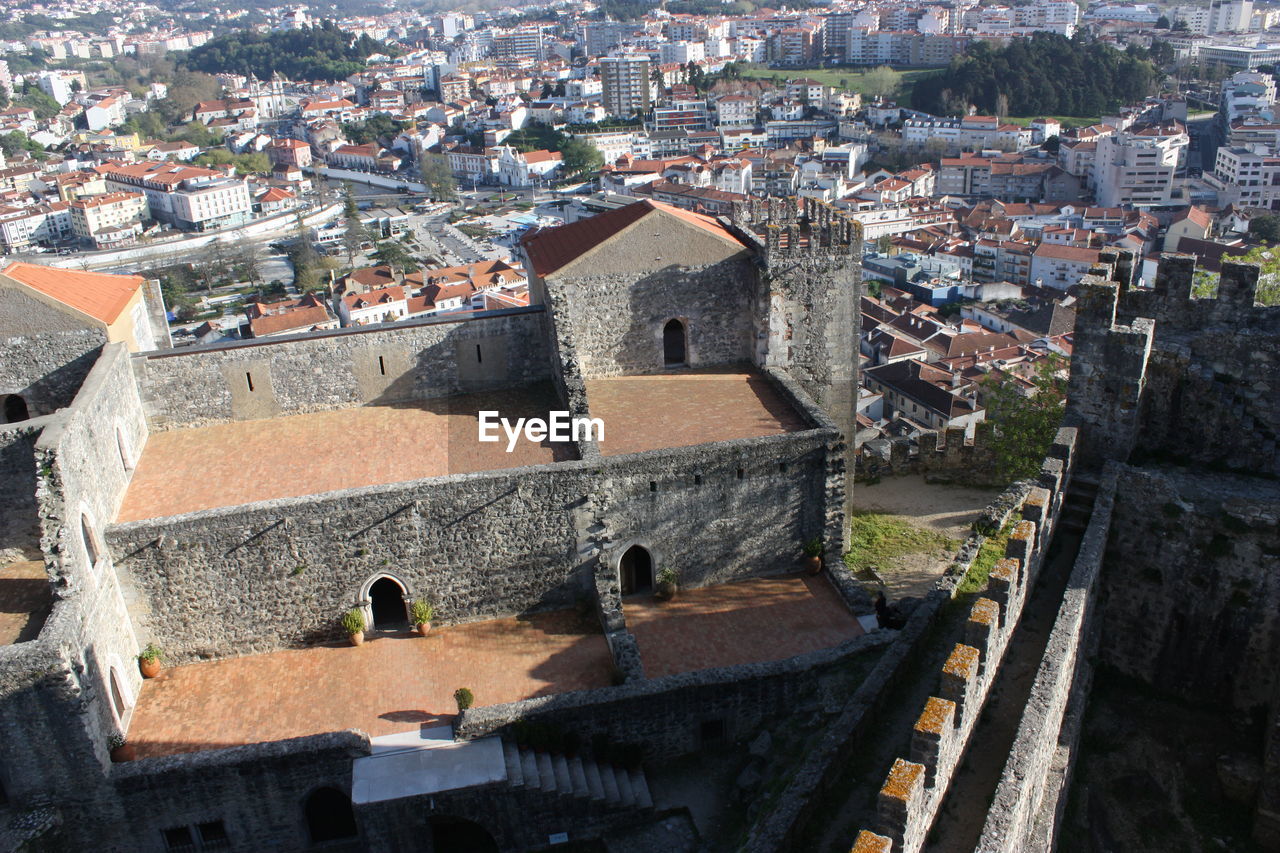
x,y
229,502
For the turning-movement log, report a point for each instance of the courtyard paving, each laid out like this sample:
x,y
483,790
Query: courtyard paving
x,y
25,600
685,408
749,621
390,684
186,470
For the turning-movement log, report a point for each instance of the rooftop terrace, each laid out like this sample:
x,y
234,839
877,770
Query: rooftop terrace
x,y
25,600
388,685
186,470
231,464
686,408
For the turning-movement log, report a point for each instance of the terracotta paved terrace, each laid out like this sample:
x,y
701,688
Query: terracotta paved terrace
x,y
685,408
390,684
749,621
186,470
25,601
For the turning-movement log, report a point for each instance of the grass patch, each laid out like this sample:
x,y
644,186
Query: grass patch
x,y
849,79
876,539
992,550
1066,121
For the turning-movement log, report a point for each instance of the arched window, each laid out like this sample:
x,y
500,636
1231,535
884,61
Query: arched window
x,y
90,540
674,345
329,815
15,409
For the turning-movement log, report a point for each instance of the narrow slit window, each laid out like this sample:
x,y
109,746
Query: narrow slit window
x,y
653,485
479,355
741,473
382,366
697,479
248,379
782,467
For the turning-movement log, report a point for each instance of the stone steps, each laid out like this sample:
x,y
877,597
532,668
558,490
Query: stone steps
x,y
576,776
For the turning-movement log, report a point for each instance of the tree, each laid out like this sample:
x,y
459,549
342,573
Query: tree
x,y
1264,229
581,158
1205,283
306,261
249,163
355,235
15,140
437,174
1025,420
1162,22
42,104
884,244
880,82
395,255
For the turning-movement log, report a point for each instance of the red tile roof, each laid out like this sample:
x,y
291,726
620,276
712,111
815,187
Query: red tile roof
x,y
98,295
552,249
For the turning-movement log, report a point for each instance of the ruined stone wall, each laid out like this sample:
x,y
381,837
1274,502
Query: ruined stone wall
x,y
279,573
1159,375
415,360
1192,585
613,324
1028,804
941,457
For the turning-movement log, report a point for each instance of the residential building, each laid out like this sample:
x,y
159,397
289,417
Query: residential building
x,y
110,220
625,84
1138,167
290,316
1059,266
187,197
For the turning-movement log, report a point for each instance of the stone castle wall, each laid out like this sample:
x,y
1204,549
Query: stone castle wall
x,y
280,573
615,323
1173,377
290,375
19,523
1192,587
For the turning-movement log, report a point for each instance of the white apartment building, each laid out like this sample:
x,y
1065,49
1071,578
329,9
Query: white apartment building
x,y
187,197
1138,168
1247,177
1247,93
683,52
109,220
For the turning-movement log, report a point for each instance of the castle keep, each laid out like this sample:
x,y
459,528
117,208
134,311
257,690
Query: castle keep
x,y
233,500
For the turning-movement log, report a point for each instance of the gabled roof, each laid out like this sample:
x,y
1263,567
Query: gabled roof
x,y
551,249
94,294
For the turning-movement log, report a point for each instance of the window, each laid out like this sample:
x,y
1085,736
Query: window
x,y
211,835
89,540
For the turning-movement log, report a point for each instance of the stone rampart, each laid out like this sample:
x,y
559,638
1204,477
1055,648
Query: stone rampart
x,y
392,363
941,457
912,793
19,524
1028,803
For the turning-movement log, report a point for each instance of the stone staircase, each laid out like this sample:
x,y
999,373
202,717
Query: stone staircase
x,y
576,777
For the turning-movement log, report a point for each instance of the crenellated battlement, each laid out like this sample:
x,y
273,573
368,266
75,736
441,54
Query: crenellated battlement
x,y
942,457
1157,371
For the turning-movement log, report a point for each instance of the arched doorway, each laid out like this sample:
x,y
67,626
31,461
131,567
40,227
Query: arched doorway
x,y
329,816
386,601
636,569
454,835
674,344
15,409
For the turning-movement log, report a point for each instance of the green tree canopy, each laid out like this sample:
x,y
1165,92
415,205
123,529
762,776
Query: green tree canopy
x,y
1025,420
323,52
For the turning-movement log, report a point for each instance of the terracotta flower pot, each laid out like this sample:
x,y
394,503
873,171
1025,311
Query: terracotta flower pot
x,y
357,639
123,753
813,565
150,667
424,628
664,591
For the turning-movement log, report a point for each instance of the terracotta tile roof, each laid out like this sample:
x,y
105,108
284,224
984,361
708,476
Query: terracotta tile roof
x,y
553,248
382,296
98,295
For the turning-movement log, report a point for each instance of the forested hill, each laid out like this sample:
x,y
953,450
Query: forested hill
x,y
310,53
1046,74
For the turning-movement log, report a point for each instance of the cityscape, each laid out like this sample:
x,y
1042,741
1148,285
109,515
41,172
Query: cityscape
x,y
639,425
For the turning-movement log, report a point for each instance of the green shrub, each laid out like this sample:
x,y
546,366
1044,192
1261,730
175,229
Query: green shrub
x,y
668,575
464,697
353,621
813,548
151,653
420,611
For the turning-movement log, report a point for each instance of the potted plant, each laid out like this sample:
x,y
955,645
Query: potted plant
x,y
121,749
353,624
813,555
421,614
149,661
668,583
